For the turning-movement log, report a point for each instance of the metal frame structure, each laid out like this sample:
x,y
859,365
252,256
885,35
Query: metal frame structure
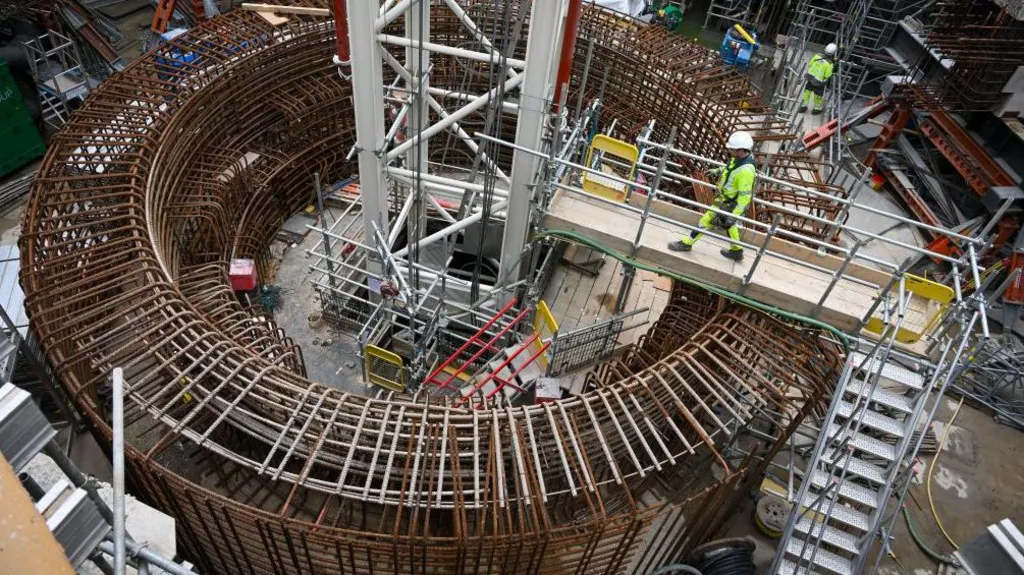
x,y
60,77
169,170
94,530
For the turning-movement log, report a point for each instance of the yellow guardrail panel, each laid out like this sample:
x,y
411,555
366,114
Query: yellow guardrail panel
x,y
545,326
602,185
939,296
384,368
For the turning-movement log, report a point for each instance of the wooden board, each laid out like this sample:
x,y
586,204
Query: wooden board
x,y
28,545
300,10
776,282
273,19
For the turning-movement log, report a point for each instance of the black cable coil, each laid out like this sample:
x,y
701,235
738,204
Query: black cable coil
x,y
727,561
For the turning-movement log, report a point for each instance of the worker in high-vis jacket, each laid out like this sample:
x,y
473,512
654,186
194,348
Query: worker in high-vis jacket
x,y
734,192
819,70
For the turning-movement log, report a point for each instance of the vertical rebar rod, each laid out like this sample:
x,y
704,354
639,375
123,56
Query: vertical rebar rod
x,y
323,225
583,81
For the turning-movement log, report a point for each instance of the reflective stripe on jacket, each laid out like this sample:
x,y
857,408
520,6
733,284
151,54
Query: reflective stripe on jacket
x,y
736,183
819,68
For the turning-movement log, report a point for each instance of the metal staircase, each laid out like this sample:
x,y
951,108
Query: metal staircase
x,y
512,372
863,453
509,362
862,447
60,77
729,11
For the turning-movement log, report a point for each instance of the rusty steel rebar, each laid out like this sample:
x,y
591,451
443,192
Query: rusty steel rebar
x,y
171,169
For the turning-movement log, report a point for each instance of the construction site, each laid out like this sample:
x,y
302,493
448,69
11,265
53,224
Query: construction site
x,y
711,287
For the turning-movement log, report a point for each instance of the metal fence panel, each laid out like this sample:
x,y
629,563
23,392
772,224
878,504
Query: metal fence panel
x,y
583,346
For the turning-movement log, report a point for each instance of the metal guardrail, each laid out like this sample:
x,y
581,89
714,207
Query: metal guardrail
x,y
546,327
968,261
385,368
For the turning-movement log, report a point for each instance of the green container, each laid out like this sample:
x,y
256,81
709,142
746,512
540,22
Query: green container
x,y
20,142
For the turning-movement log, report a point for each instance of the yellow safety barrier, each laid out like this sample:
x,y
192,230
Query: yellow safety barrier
x,y
384,368
605,186
545,326
936,294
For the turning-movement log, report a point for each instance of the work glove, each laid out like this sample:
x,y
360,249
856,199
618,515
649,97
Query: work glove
x,y
713,172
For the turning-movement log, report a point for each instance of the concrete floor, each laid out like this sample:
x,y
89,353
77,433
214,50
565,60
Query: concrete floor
x,y
335,361
976,482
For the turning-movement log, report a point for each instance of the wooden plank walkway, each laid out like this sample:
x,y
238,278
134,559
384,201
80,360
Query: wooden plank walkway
x,y
776,282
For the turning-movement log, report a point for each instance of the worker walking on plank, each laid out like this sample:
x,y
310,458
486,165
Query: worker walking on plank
x,y
735,191
819,70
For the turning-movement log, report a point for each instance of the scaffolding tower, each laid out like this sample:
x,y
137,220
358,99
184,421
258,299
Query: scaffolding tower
x,y
61,79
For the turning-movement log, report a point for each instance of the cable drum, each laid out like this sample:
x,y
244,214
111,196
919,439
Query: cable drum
x,y
771,514
732,556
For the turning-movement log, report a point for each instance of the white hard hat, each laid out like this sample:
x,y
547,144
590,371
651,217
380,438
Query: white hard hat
x,y
830,49
740,141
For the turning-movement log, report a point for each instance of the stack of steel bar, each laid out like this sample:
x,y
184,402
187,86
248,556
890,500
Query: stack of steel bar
x,y
986,46
172,168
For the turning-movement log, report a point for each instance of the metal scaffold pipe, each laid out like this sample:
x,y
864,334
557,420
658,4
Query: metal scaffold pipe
x,y
117,456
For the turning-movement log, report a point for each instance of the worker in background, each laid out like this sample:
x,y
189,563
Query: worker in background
x,y
819,70
735,191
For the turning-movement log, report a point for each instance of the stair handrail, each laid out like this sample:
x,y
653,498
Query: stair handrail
x,y
849,428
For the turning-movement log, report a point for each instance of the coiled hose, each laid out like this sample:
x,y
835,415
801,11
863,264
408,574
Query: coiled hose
x,y
728,561
810,322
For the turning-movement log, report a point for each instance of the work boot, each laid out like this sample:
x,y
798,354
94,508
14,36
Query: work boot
x,y
679,246
735,255
802,109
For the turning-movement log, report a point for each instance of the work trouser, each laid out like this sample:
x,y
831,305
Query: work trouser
x,y
815,94
725,222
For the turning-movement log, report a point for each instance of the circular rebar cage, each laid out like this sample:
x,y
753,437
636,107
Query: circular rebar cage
x,y
171,168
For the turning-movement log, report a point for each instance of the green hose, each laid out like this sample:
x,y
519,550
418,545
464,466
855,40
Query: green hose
x,y
811,322
921,545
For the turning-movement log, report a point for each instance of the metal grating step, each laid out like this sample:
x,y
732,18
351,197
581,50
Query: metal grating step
x,y
864,443
828,534
6,347
787,567
857,466
829,561
894,372
841,513
848,489
888,398
873,419
528,372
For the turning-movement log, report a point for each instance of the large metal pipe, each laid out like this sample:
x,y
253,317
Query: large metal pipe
x,y
341,31
144,554
456,116
449,50
572,26
456,227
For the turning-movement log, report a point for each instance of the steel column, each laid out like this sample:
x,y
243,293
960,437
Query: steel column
x,y
368,104
572,24
417,64
545,25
